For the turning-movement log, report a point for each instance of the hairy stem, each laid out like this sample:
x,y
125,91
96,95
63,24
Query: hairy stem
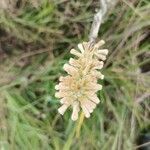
x,y
98,19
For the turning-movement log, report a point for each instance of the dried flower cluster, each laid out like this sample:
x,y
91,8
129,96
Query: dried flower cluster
x,y
79,88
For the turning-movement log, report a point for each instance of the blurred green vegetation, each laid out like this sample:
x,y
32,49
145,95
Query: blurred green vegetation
x,y
35,43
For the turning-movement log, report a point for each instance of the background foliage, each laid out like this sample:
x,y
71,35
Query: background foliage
x,y
35,39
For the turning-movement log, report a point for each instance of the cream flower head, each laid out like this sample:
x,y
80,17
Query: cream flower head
x,y
78,89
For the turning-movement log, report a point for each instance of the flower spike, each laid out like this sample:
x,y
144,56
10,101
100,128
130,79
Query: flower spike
x,y
78,89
